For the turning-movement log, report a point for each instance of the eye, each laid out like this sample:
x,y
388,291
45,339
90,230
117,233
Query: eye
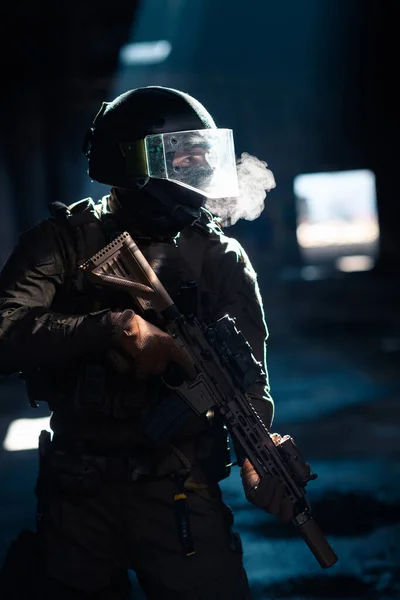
x,y
192,159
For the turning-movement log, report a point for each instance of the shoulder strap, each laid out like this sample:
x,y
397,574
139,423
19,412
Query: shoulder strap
x,y
193,240
85,223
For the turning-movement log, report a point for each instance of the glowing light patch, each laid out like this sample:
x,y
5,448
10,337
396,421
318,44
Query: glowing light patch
x,y
336,233
336,209
349,264
23,434
310,273
145,53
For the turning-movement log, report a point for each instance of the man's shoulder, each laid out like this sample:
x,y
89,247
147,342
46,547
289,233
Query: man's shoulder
x,y
49,241
225,244
80,212
42,231
38,247
210,228
208,245
60,215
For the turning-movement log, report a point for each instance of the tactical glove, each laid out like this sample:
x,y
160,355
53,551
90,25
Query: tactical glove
x,y
266,493
151,348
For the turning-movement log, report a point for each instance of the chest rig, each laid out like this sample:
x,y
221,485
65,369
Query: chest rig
x,y
99,389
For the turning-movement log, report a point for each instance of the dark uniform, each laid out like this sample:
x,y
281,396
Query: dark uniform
x,y
105,492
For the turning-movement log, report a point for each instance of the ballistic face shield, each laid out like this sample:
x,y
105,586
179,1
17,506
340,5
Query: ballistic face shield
x,y
202,160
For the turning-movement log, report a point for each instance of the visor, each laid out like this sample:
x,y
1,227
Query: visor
x,y
202,160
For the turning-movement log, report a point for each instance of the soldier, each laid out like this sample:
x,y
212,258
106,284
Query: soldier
x,y
106,491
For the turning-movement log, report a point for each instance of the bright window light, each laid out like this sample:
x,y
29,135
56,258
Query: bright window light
x,y
145,53
23,434
337,211
349,264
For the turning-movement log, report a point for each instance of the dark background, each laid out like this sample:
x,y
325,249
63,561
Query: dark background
x,y
308,86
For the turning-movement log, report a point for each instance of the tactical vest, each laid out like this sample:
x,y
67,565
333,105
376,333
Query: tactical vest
x,y
99,389
91,390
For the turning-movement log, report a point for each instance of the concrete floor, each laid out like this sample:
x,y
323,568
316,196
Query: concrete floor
x,y
334,367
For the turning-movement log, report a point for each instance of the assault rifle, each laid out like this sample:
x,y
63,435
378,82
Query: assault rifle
x,y
225,368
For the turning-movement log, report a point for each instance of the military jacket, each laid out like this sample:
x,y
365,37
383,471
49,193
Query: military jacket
x,y
57,331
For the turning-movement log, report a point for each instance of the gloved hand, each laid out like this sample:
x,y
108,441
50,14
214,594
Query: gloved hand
x,y
152,348
266,493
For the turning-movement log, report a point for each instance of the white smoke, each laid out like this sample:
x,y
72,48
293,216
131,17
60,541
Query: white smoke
x,y
255,180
